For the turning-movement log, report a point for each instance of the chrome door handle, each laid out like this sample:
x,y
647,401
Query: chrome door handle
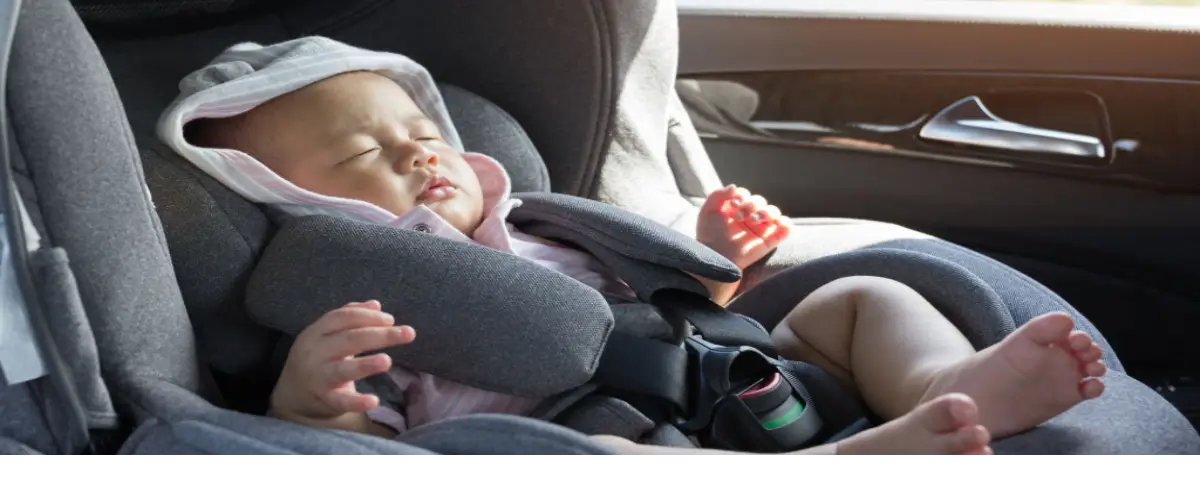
x,y
969,122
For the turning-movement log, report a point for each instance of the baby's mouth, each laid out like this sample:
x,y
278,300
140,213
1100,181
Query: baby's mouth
x,y
437,189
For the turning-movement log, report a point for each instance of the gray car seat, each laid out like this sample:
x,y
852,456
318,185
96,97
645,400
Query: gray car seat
x,y
85,195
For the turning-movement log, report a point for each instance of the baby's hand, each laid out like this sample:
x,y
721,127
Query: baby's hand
x,y
317,383
739,226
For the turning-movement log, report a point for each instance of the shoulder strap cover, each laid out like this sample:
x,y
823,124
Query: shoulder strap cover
x,y
527,330
647,255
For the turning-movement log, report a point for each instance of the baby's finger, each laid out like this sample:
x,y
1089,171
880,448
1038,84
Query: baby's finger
x,y
357,341
373,305
347,318
772,232
750,206
768,215
716,202
773,213
336,373
351,401
740,196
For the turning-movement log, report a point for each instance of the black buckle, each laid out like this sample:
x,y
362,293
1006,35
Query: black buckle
x,y
744,401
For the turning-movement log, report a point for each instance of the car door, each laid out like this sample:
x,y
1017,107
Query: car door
x,y
1057,137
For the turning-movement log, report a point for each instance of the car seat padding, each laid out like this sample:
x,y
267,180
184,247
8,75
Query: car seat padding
x,y
484,318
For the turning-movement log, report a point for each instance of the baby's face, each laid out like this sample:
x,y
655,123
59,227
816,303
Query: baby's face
x,y
360,136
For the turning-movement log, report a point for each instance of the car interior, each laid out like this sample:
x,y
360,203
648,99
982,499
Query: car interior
x,y
1003,163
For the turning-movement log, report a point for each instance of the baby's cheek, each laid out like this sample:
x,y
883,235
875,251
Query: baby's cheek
x,y
384,196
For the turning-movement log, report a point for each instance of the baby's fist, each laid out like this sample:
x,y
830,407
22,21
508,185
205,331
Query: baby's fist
x,y
740,226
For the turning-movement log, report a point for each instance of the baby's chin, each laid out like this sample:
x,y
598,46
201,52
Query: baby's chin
x,y
463,219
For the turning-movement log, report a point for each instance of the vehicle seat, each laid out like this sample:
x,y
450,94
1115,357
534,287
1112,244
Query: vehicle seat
x,y
90,199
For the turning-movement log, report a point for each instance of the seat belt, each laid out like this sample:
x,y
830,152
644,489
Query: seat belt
x,y
27,350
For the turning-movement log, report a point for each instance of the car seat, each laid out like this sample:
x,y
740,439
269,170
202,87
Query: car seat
x,y
78,177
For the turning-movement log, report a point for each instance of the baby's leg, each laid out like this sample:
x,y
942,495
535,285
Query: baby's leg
x,y
891,344
948,425
877,336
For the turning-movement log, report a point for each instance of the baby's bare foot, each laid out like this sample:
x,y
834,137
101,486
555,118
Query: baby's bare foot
x,y
947,425
1039,371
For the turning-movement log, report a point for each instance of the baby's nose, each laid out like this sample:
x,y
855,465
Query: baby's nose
x,y
428,160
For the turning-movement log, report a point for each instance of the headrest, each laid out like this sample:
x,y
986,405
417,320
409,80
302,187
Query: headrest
x,y
526,329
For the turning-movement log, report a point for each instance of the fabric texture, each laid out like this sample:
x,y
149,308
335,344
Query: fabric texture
x,y
177,421
487,129
91,198
605,415
648,134
10,447
73,335
22,418
501,435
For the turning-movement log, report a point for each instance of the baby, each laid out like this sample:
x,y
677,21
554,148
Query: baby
x,y
315,126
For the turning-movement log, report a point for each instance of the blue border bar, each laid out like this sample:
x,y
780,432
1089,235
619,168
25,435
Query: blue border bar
x,y
735,476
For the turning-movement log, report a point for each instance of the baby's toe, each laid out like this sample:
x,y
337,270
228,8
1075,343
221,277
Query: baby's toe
x,y
1047,329
947,413
1088,354
1079,341
1091,388
986,450
1095,369
965,440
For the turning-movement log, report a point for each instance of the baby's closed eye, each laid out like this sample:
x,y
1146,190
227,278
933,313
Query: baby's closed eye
x,y
366,154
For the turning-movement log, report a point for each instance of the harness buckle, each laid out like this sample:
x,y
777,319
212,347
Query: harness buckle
x,y
745,401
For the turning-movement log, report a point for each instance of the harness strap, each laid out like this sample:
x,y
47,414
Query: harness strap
x,y
713,322
644,367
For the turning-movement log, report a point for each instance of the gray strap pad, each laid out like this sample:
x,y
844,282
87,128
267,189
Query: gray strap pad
x,y
647,255
483,317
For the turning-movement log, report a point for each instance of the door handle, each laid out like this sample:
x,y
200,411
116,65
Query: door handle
x,y
968,122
